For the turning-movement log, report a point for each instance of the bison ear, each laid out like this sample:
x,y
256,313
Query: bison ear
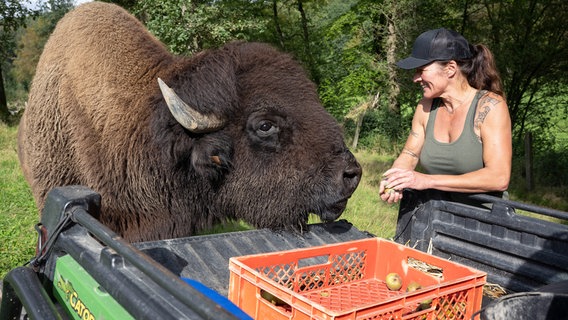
x,y
188,117
211,156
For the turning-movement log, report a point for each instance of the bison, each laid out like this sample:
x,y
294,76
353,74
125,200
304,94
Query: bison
x,y
175,144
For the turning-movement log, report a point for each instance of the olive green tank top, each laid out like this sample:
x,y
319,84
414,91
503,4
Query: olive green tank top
x,y
460,156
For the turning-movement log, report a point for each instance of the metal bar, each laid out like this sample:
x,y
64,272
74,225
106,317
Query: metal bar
x,y
523,206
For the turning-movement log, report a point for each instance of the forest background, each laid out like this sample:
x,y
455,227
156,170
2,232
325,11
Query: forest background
x,y
348,48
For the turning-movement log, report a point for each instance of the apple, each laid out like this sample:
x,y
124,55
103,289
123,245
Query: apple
x,y
413,286
425,304
389,190
393,281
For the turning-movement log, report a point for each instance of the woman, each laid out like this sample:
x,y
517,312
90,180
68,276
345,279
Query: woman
x,y
461,130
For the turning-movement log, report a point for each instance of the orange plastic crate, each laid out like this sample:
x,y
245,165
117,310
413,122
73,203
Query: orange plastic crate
x,y
346,281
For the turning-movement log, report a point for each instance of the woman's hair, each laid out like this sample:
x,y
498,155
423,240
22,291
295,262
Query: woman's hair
x,y
481,70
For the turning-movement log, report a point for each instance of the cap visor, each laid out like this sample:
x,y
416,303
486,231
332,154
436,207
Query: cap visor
x,y
412,63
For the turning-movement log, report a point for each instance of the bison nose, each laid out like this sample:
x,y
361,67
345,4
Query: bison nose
x,y
351,174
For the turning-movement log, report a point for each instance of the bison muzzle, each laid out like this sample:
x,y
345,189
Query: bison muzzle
x,y
175,144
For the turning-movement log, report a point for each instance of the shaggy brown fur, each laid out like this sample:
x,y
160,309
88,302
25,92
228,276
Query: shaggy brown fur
x,y
96,117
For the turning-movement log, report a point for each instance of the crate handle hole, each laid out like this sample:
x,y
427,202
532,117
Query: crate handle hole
x,y
425,267
275,302
313,261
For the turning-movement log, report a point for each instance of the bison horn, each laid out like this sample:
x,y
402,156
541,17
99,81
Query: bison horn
x,y
187,116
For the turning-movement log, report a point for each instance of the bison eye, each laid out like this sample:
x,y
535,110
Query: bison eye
x,y
266,128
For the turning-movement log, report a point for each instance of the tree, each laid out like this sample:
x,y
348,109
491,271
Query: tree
x,y
351,72
358,114
531,49
304,22
28,50
360,47
26,44
190,26
12,16
277,28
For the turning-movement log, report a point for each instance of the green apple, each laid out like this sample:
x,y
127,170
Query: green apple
x,y
413,286
393,281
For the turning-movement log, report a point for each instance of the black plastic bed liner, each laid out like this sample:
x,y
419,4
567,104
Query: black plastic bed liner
x,y
206,258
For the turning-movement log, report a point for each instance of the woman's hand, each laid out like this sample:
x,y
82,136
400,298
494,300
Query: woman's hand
x,y
389,195
395,180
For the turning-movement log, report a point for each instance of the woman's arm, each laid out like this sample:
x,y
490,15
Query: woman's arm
x,y
410,154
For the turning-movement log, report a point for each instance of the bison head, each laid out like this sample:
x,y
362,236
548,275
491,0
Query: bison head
x,y
265,146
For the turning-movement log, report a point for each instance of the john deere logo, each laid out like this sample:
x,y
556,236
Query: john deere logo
x,y
72,297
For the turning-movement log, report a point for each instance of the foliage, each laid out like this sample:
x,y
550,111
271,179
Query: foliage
x,y
349,67
12,16
25,48
550,168
189,26
354,70
390,127
29,48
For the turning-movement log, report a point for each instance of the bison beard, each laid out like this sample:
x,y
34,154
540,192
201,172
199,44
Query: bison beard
x,y
232,133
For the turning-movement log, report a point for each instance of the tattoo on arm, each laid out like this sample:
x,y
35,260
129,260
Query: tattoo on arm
x,y
481,116
413,133
487,103
412,154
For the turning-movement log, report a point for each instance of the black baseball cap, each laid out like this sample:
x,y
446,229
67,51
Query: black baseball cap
x,y
436,45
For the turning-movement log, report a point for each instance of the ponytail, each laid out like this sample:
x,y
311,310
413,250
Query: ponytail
x,y
481,70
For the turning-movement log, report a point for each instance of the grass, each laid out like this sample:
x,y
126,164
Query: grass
x,y
18,214
365,210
